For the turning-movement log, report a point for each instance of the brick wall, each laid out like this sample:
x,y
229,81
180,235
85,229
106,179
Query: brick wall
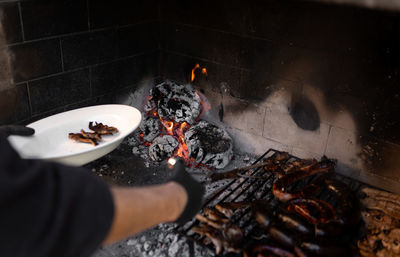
x,y
304,77
69,54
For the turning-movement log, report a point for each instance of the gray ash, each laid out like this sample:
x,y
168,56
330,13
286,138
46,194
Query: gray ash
x,y
175,102
162,148
209,145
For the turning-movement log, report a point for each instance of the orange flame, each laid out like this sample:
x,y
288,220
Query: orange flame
x,y
182,148
169,126
197,66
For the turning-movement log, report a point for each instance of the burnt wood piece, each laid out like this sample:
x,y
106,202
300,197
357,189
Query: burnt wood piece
x,y
102,129
381,195
377,220
383,201
81,138
387,207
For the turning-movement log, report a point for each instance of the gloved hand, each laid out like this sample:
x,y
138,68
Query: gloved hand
x,y
194,190
17,130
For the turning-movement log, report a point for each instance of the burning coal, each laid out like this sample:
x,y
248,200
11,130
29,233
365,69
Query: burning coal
x,y
175,102
171,126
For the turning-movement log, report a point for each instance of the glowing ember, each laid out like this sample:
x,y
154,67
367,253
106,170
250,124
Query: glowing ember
x,y
169,126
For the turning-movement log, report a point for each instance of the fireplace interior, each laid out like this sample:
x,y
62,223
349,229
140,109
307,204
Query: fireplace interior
x,y
311,78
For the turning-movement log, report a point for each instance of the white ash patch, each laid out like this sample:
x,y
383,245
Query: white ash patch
x,y
161,241
208,144
162,148
175,102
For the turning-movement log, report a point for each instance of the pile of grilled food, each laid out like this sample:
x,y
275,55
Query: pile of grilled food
x,y
301,224
93,138
382,221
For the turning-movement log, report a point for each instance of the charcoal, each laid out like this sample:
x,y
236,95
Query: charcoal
x,y
208,144
175,102
150,126
162,148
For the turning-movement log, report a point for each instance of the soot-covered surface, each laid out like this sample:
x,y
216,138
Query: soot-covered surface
x,y
122,167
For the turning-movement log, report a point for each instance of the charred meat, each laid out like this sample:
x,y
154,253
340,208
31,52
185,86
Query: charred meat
x,y
78,137
229,208
264,249
281,187
217,227
102,129
93,137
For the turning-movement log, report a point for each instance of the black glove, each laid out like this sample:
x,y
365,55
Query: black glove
x,y
17,130
194,190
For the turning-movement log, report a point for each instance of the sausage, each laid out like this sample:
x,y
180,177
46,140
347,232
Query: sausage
x,y
294,222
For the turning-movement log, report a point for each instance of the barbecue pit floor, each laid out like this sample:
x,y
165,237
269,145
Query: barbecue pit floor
x,y
122,167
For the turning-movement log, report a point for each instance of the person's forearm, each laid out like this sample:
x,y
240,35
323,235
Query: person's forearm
x,y
137,209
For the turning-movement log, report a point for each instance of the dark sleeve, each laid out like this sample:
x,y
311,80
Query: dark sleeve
x,y
48,209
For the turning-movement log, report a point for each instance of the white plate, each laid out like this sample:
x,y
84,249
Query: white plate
x,y
51,141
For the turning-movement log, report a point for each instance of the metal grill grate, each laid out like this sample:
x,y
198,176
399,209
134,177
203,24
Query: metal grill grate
x,y
250,189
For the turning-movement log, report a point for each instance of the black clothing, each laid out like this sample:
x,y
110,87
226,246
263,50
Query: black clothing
x,y
16,130
48,209
194,191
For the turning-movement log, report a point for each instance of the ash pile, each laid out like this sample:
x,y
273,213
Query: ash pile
x,y
172,126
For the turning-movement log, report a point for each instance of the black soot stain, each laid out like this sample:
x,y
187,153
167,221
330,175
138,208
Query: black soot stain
x,y
304,114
